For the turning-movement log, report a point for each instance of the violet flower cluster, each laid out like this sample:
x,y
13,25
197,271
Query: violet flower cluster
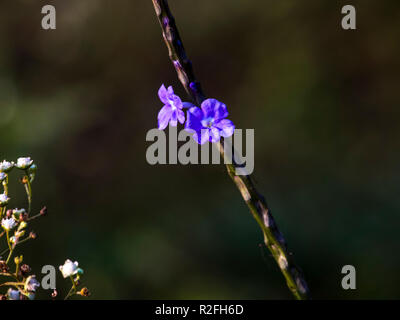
x,y
207,122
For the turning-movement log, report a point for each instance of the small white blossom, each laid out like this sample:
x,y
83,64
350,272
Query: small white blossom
x,y
3,176
3,199
8,224
24,163
6,166
31,284
69,268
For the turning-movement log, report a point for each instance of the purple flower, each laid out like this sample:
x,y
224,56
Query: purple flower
x,y
172,110
208,123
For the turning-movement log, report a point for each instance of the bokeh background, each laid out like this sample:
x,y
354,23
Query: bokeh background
x,y
324,105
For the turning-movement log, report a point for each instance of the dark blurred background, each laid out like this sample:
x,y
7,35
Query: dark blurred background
x,y
324,105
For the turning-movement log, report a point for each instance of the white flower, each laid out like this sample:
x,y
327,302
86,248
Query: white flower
x,y
3,176
31,284
3,199
8,224
13,294
6,166
69,268
24,163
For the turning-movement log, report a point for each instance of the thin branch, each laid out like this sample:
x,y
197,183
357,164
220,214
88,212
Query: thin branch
x,y
255,201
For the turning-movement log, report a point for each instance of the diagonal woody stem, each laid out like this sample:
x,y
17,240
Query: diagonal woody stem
x,y
255,201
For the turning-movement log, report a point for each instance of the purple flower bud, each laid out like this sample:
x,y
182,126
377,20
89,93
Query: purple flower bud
x,y
165,21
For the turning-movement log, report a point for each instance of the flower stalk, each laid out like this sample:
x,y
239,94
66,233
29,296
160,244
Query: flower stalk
x,y
10,247
73,289
28,189
256,203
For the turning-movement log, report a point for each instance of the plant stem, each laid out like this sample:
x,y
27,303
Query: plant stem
x,y
72,290
5,186
35,216
255,201
15,245
8,275
9,246
17,269
28,189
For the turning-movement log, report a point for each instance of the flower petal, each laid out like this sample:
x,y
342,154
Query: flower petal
x,y
174,118
220,111
208,108
226,127
197,136
201,136
193,121
204,136
214,134
163,94
181,116
170,90
163,117
175,101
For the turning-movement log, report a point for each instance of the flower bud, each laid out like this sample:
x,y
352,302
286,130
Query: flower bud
x,y
22,225
24,180
24,217
32,172
24,270
18,260
3,267
43,211
19,234
84,292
